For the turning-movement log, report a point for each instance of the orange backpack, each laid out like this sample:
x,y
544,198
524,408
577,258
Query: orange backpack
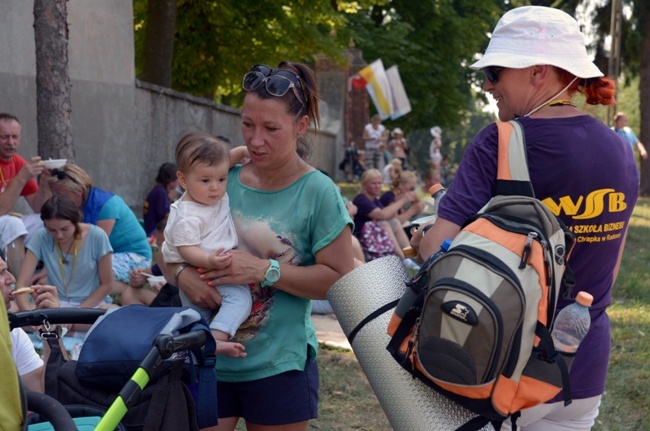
x,y
475,322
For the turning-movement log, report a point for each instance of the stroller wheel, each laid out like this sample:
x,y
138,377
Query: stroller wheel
x,y
51,410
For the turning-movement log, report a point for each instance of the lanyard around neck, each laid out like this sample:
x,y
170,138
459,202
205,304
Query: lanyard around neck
x,y
74,264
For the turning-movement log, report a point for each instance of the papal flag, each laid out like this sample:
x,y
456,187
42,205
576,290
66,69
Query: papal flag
x,y
400,102
378,87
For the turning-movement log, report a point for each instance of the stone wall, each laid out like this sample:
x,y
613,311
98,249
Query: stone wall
x,y
164,115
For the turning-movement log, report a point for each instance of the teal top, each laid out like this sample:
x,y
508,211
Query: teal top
x,y
290,226
128,235
84,280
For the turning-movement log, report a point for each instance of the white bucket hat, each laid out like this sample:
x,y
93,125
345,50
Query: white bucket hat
x,y
535,35
435,131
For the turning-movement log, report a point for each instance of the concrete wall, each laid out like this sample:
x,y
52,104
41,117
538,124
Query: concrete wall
x,y
123,129
164,115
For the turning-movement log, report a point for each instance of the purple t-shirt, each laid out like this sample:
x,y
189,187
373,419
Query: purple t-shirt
x,y
387,198
585,174
156,207
364,207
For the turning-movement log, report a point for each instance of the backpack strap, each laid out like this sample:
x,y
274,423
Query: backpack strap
x,y
53,367
206,402
369,318
512,164
553,356
405,326
165,411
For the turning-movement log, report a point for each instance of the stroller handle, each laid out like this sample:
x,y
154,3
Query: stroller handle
x,y
54,316
168,344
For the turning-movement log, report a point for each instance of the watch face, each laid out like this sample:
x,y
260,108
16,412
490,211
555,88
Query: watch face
x,y
273,274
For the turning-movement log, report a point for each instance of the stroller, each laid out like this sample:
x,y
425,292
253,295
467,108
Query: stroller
x,y
158,383
351,164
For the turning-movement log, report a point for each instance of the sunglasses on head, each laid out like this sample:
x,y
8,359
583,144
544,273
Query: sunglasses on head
x,y
60,175
277,81
492,73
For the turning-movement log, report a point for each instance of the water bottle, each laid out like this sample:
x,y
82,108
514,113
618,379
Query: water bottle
x,y
437,191
572,324
443,249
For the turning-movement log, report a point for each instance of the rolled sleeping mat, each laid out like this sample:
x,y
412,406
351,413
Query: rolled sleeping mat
x,y
409,404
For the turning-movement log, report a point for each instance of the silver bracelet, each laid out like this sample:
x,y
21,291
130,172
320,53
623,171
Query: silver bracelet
x,y
178,272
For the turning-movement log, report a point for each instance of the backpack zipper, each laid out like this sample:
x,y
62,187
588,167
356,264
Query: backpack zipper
x,y
531,229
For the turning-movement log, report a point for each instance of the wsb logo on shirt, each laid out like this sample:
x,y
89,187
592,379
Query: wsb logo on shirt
x,y
588,207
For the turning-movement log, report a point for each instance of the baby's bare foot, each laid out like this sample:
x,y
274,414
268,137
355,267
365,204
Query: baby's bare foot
x,y
230,348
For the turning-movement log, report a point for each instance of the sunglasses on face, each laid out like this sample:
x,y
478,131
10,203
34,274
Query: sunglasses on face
x,y
60,175
492,73
277,81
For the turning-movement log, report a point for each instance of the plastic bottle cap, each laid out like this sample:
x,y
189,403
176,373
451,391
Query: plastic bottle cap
x,y
409,252
435,189
585,299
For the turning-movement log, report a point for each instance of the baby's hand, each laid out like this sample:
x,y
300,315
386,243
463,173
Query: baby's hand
x,y
220,260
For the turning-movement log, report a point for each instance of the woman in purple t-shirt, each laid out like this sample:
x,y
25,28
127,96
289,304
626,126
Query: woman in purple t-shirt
x,y
159,199
578,167
372,218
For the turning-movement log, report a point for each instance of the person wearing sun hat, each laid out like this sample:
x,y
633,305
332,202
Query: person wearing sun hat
x,y
536,61
399,146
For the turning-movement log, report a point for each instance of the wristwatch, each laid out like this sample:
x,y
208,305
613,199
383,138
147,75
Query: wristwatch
x,y
272,274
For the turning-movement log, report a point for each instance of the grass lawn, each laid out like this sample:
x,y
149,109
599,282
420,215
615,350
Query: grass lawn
x,y
625,404
348,403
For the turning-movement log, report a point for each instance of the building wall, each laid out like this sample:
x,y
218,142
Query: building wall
x,y
164,115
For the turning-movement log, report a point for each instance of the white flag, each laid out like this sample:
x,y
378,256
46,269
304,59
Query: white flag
x,y
400,102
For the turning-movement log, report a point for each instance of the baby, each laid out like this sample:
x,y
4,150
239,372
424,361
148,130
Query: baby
x,y
200,230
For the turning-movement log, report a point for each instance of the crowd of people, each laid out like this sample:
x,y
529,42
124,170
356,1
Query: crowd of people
x,y
250,236
392,194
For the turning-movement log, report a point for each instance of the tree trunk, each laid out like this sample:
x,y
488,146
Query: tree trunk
x,y
159,42
53,107
644,96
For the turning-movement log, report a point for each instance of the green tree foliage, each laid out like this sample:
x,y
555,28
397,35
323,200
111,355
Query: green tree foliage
x,y
216,42
635,63
432,42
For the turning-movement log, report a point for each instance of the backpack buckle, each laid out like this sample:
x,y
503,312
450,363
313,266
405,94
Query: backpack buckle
x,y
210,360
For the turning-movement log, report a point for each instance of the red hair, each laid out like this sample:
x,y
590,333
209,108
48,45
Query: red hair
x,y
598,91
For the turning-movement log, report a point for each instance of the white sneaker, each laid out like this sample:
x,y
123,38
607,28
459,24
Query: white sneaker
x,y
410,264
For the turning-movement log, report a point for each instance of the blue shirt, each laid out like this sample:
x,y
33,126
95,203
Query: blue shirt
x,y
628,135
84,280
127,235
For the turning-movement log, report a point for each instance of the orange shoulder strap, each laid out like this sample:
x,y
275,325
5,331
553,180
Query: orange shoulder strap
x,y
511,162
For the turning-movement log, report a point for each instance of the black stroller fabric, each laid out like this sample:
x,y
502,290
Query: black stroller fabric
x,y
165,405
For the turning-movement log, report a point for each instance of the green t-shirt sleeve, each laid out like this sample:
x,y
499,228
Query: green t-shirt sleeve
x,y
331,216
